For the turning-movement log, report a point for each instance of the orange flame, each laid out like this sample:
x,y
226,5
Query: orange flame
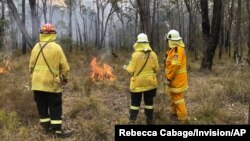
x,y
3,70
101,73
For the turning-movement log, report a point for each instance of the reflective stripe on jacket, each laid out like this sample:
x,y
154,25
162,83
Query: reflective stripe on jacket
x,y
176,69
42,78
146,80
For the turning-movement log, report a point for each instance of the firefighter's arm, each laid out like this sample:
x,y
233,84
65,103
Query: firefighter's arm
x,y
131,66
63,65
171,72
156,63
32,61
174,66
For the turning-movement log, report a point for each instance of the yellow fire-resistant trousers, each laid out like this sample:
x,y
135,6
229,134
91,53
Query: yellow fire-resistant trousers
x,y
178,106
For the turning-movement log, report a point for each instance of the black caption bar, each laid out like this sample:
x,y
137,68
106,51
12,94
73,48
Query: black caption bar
x,y
179,132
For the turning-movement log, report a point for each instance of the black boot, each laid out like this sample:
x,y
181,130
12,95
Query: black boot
x,y
62,134
46,127
58,132
149,121
133,116
131,122
173,117
149,116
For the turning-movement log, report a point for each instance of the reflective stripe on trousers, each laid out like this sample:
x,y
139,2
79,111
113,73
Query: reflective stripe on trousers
x,y
178,106
45,120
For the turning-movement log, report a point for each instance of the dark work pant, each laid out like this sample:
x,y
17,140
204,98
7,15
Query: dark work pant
x,y
148,101
49,107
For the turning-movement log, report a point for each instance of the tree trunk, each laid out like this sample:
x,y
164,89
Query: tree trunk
x,y
153,33
136,20
179,17
23,21
144,11
45,10
102,24
228,30
192,31
97,40
249,110
183,21
21,26
2,26
120,17
158,27
78,30
205,20
221,41
192,46
70,24
85,33
237,37
248,43
211,40
51,11
90,29
111,12
34,18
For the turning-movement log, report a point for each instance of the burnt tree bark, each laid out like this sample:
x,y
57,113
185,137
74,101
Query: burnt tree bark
x,y
211,39
21,26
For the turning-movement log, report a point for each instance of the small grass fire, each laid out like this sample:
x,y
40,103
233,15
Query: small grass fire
x,y
4,68
101,72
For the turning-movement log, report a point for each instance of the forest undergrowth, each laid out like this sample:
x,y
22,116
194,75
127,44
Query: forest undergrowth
x,y
92,108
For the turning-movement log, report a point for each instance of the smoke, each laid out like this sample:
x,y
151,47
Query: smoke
x,y
59,3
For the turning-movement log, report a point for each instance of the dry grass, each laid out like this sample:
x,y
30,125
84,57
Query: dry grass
x,y
91,109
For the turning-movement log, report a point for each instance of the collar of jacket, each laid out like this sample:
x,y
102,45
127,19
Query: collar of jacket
x,y
173,44
142,47
47,37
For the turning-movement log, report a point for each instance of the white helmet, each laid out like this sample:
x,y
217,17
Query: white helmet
x,y
173,35
142,38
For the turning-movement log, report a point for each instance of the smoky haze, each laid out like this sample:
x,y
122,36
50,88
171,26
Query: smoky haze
x,y
83,18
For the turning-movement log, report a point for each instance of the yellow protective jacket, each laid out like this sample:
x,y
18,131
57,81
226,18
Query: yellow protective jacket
x,y
42,78
176,68
146,80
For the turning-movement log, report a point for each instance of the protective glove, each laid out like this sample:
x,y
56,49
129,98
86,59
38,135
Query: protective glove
x,y
64,82
125,67
167,82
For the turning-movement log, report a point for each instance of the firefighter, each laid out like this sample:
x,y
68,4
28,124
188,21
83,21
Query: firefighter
x,y
176,75
49,71
142,67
